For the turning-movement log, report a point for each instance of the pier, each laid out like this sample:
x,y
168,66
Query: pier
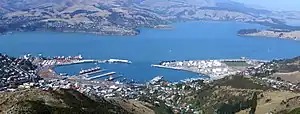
x,y
74,62
166,67
95,72
55,62
100,76
243,60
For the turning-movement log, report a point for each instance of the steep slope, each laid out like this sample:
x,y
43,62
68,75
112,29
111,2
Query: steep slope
x,y
34,101
62,101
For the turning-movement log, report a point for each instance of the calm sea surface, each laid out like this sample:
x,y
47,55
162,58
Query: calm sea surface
x,y
193,40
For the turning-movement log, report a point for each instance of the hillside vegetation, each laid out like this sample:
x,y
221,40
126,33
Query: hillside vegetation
x,y
119,17
34,101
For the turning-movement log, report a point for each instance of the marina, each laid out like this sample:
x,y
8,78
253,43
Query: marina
x,y
48,64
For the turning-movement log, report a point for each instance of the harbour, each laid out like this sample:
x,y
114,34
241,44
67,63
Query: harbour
x,y
151,47
90,71
47,64
100,76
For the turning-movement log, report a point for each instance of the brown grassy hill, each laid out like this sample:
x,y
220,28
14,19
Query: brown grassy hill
x,y
35,101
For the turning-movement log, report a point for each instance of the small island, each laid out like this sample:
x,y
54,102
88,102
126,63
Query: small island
x,y
276,33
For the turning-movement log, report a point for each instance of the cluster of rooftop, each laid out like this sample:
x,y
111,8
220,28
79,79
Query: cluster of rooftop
x,y
15,71
215,69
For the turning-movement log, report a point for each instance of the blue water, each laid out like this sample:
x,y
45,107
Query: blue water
x,y
192,40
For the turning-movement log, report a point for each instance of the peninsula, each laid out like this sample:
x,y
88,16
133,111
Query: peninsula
x,y
215,69
276,33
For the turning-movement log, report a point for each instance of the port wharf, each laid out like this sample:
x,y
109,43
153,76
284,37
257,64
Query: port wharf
x,y
48,64
243,60
55,62
95,72
100,76
215,69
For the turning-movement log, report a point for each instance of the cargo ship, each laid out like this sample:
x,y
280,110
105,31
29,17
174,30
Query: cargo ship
x,y
90,71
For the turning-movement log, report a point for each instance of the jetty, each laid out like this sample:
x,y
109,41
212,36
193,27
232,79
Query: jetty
x,y
95,72
100,76
116,61
166,67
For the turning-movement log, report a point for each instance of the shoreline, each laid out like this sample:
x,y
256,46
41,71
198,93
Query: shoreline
x,y
78,32
164,27
186,70
130,32
269,37
214,69
279,34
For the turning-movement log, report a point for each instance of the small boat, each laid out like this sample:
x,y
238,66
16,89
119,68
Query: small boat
x,y
63,74
113,78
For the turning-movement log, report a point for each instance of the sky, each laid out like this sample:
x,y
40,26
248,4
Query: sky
x,y
274,4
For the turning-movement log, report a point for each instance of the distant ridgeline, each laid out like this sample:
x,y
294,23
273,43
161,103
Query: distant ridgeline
x,y
276,28
115,17
280,25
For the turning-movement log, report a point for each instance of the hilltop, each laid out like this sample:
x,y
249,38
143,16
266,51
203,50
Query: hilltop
x,y
120,17
35,101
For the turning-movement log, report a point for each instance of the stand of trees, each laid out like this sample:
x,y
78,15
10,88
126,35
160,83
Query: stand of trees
x,y
247,31
232,108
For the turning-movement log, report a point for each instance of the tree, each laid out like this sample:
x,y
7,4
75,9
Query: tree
x,y
253,103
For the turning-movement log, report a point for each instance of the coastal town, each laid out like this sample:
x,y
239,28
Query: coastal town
x,y
22,73
149,57
215,69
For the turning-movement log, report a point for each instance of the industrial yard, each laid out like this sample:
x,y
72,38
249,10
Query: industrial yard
x,y
215,69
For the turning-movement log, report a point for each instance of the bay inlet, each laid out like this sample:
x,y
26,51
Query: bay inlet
x,y
189,41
